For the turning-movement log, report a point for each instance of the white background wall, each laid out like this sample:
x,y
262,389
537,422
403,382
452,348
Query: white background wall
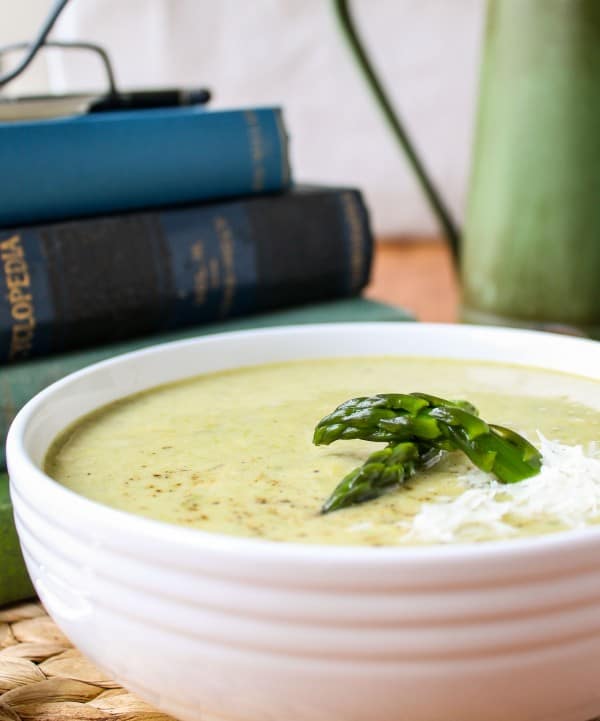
x,y
290,52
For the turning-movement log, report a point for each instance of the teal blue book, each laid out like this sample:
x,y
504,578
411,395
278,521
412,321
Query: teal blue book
x,y
107,162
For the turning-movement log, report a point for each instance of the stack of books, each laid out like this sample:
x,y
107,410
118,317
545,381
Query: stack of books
x,y
123,229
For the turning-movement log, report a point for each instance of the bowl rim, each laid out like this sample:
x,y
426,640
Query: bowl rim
x,y
41,485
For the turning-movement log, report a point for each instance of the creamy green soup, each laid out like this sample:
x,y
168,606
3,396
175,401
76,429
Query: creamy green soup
x,y
231,452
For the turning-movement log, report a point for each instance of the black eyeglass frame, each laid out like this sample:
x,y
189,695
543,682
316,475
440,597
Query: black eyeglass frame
x,y
63,45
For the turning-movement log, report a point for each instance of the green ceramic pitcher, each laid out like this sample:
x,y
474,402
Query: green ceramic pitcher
x,y
531,247
530,252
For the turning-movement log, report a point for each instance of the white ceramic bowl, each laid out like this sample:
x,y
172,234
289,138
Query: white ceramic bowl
x,y
207,626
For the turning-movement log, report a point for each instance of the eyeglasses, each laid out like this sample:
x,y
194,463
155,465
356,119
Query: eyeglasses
x,y
113,99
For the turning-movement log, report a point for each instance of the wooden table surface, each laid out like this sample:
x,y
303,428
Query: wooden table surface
x,y
417,275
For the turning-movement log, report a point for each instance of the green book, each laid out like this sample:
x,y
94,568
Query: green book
x,y
20,382
14,581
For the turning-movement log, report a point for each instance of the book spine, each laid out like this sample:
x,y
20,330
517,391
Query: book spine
x,y
96,281
108,162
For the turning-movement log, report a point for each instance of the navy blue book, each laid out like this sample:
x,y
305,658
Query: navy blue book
x,y
106,162
94,281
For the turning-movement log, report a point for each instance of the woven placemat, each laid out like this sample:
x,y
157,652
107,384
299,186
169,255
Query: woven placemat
x,y
43,678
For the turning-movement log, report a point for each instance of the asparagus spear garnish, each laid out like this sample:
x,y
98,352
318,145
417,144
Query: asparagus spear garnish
x,y
382,471
391,417
432,425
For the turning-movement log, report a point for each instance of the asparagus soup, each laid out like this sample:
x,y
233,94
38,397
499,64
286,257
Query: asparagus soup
x,y
232,452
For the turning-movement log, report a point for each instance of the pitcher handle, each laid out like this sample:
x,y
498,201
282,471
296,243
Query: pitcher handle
x,y
436,203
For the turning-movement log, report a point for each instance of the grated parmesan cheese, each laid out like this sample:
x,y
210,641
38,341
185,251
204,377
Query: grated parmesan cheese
x,y
566,491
